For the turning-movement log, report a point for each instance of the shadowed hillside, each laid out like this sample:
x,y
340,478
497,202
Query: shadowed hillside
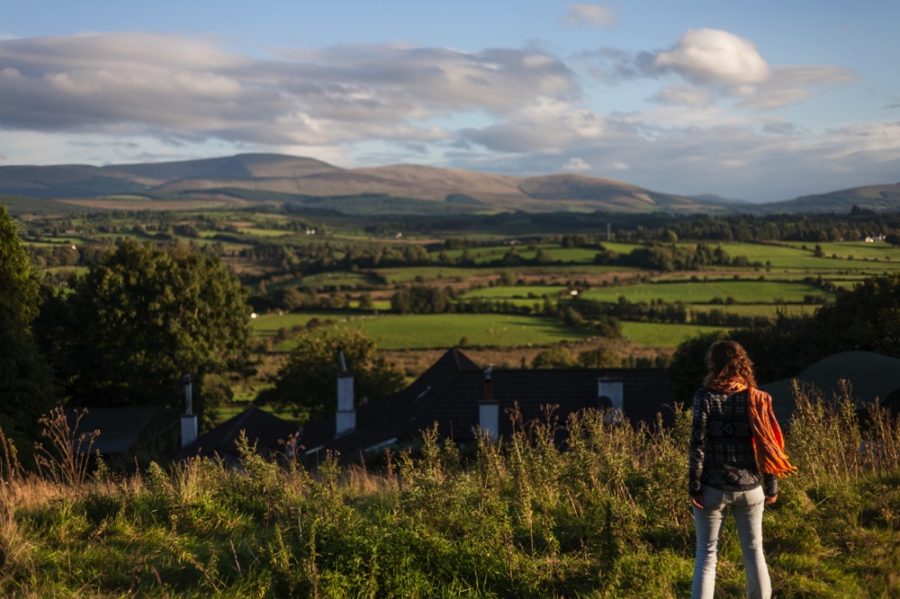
x,y
872,197
275,177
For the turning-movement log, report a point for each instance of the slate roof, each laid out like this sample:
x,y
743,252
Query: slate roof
x,y
450,391
121,427
266,430
646,392
399,415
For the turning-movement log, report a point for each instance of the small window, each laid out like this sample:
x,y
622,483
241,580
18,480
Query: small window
x,y
489,419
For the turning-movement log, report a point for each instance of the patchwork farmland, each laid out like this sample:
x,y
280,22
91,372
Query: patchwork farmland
x,y
505,292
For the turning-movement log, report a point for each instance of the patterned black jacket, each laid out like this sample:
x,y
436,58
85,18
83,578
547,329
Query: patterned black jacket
x,y
721,448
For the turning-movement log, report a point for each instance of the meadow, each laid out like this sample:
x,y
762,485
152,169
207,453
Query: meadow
x,y
427,331
742,291
422,331
795,256
269,324
607,517
664,335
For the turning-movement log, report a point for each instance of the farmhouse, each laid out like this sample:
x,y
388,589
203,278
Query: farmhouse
x,y
460,397
126,436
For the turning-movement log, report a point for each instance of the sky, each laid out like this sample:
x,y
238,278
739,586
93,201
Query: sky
x,y
760,101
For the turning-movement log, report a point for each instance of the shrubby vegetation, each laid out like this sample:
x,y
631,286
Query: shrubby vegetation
x,y
606,517
669,257
25,380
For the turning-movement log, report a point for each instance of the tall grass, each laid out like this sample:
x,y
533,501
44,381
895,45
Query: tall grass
x,y
588,507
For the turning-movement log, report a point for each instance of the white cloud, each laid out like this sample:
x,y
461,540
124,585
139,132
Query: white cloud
x,y
791,85
576,164
733,159
546,125
595,15
683,94
719,65
714,56
179,87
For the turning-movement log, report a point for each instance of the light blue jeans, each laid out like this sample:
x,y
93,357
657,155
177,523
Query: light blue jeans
x,y
747,507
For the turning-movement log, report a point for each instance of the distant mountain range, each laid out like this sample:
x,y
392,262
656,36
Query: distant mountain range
x,y
396,188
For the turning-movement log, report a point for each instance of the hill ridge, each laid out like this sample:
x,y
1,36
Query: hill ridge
x,y
265,176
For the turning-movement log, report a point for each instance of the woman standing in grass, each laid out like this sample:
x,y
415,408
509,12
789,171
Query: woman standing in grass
x,y
737,452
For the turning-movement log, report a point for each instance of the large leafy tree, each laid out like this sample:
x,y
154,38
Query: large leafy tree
x,y
25,383
143,318
307,382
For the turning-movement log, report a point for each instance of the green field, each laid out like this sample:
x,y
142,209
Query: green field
x,y
787,255
702,292
793,256
421,331
262,232
516,291
621,248
269,324
858,249
654,334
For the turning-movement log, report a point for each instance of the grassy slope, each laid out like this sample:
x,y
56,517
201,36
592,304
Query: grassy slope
x,y
607,518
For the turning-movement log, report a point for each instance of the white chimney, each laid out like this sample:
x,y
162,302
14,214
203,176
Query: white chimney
x,y
345,417
189,419
489,408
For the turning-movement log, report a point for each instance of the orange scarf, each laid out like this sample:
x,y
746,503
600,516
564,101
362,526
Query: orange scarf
x,y
768,442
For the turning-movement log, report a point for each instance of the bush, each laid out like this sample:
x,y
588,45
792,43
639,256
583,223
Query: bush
x,y
607,516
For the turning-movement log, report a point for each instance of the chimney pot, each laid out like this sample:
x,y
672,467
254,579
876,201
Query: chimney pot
x,y
489,409
188,395
345,416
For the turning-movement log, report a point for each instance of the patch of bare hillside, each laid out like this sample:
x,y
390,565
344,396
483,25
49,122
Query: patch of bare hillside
x,y
610,193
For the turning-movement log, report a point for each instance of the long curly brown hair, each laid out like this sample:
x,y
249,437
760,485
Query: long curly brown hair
x,y
725,362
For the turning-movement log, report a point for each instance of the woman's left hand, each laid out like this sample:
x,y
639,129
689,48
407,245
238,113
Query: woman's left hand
x,y
771,500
